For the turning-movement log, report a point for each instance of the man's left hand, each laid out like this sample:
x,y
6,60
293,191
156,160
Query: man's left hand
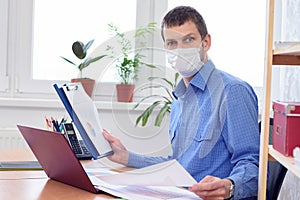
x,y
212,187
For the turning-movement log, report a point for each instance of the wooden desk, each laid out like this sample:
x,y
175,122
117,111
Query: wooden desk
x,y
35,184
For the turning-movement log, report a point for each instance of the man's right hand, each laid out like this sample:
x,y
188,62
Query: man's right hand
x,y
121,154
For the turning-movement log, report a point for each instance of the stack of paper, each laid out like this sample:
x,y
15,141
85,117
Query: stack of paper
x,y
161,181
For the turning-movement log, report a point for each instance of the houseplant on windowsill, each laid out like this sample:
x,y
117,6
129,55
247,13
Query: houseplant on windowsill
x,y
161,100
128,59
80,51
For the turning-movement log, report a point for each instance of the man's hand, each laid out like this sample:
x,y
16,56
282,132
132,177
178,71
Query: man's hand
x,y
212,188
121,154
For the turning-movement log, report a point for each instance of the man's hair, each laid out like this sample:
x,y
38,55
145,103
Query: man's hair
x,y
181,14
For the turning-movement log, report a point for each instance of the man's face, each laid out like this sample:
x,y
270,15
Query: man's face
x,y
184,36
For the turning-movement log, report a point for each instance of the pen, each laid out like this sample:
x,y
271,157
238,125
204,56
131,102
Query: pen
x,y
55,125
49,124
62,122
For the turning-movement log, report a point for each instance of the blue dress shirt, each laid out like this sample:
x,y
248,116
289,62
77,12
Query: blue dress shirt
x,y
214,130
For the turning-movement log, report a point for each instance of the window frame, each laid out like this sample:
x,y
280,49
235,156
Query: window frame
x,y
4,79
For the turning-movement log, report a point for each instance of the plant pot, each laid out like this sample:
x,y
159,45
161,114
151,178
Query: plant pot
x,y
125,92
87,83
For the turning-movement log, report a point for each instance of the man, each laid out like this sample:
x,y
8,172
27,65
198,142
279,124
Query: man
x,y
214,117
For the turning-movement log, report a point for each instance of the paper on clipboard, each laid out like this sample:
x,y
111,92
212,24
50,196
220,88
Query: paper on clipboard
x,y
84,113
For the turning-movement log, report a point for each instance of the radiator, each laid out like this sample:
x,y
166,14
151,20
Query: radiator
x,y
11,139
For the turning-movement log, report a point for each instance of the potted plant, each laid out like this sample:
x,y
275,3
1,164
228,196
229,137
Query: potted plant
x,y
161,100
130,60
80,51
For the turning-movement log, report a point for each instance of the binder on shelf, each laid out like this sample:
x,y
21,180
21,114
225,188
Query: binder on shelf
x,y
83,113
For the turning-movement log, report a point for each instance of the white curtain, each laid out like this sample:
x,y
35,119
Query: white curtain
x,y
290,31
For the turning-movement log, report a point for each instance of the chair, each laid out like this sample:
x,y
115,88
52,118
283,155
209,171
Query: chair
x,y
276,172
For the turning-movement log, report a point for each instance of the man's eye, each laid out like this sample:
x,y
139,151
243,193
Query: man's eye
x,y
171,43
189,40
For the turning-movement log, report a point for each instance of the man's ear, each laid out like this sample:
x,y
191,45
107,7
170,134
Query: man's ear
x,y
206,42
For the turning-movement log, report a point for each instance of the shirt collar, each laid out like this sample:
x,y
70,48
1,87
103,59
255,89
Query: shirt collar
x,y
200,79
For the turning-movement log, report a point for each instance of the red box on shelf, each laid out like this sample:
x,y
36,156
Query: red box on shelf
x,y
286,128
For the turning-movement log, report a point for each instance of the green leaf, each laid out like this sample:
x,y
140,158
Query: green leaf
x,y
78,50
161,78
145,115
68,60
89,61
145,98
149,65
159,86
161,114
137,121
88,45
166,102
154,86
176,79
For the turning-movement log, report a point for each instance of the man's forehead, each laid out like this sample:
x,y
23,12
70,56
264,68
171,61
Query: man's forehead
x,y
188,28
176,35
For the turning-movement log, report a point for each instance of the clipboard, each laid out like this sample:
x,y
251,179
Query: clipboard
x,y
83,113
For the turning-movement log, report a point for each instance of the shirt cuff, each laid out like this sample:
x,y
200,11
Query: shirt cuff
x,y
135,160
238,190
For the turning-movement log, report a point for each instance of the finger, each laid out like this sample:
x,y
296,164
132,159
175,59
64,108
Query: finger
x,y
104,131
208,179
108,136
208,183
217,193
213,188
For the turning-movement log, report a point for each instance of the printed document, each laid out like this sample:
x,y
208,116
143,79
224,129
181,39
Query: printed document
x,y
155,182
88,116
169,173
148,192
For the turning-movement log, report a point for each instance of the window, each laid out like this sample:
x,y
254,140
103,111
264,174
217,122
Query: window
x,y
73,20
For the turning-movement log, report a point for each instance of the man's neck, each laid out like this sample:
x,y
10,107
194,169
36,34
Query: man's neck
x,y
187,80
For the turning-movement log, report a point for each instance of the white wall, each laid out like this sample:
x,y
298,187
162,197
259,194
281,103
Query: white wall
x,y
119,118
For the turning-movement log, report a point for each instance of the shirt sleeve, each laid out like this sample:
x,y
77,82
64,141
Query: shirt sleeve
x,y
139,161
243,139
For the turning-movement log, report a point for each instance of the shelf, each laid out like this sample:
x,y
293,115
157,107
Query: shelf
x,y
286,161
286,53
287,48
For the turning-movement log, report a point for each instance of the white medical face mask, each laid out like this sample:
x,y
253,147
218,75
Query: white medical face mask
x,y
186,61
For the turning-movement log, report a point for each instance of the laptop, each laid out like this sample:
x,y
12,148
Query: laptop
x,y
56,157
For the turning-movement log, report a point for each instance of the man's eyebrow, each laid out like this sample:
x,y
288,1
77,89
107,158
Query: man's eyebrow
x,y
182,37
189,34
170,39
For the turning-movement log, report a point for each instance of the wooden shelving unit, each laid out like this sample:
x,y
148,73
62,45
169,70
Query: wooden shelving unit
x,y
283,53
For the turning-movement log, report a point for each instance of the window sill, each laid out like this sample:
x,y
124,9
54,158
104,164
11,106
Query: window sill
x,y
51,103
